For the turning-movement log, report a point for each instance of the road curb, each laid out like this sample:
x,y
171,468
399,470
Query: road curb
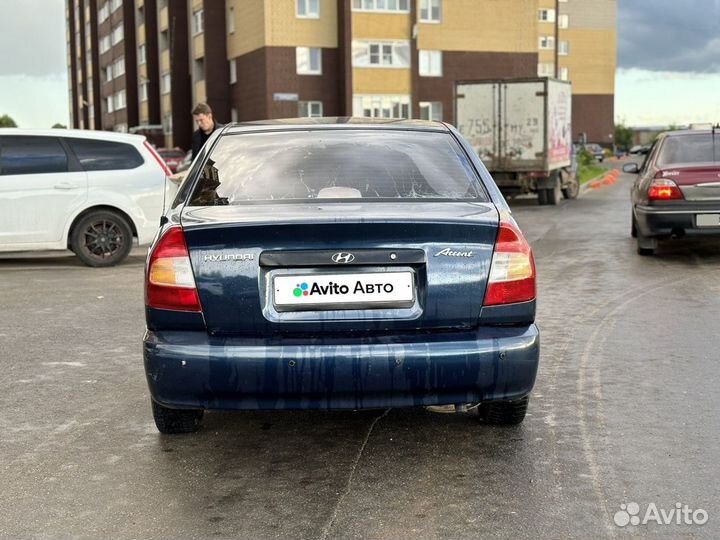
x,y
608,177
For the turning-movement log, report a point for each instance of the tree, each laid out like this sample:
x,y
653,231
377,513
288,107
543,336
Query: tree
x,y
6,121
59,126
623,136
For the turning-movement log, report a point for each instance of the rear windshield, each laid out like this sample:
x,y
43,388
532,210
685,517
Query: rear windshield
x,y
700,148
334,164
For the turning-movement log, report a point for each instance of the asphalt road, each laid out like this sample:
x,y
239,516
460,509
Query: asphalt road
x,y
625,410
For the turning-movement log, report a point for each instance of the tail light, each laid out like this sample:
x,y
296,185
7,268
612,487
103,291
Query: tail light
x,y
170,283
662,189
512,272
159,160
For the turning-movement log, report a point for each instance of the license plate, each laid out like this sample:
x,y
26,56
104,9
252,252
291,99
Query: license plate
x,y
707,220
344,291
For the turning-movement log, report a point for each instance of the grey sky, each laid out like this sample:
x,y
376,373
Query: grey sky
x,y
32,37
669,35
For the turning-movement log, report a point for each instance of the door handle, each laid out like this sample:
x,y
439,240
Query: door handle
x,y
65,185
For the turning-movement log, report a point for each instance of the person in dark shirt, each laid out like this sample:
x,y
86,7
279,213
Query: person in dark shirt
x,y
203,116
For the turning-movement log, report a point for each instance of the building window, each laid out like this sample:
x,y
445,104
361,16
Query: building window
x,y
546,42
233,114
198,21
115,4
564,75
198,69
108,73
143,92
141,15
564,48
104,44
308,60
167,123
383,6
233,71
374,106
231,20
431,110
164,40
546,15
430,64
103,13
142,55
430,10
310,109
546,70
118,33
119,100
118,67
307,9
109,104
563,21
165,83
395,54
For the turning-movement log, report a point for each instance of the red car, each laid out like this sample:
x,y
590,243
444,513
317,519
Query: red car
x,y
172,157
677,192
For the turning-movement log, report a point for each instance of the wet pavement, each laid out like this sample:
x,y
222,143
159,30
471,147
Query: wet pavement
x,y
625,410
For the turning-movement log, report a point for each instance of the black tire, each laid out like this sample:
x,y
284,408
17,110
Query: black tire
x,y
503,413
542,197
646,245
101,238
572,190
553,196
173,421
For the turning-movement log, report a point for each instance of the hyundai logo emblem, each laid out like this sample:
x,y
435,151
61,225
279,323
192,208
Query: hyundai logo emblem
x,y
343,258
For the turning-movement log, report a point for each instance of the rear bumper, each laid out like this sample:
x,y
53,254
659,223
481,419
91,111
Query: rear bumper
x,y
194,370
664,222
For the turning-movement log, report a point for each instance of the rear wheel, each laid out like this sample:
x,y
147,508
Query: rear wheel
x,y
646,245
572,190
503,412
542,197
101,238
172,421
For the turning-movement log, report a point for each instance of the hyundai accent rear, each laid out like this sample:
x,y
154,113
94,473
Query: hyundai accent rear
x,y
339,264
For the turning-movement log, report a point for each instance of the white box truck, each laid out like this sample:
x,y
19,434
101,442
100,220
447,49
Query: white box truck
x,y
521,130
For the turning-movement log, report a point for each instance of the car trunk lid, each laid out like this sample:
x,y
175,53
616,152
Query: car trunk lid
x,y
269,269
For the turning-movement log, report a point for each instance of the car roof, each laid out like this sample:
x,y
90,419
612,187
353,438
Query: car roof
x,y
682,132
340,122
77,133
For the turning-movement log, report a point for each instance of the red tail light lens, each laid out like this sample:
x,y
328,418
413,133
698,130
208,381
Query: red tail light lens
x,y
169,283
159,160
512,272
664,190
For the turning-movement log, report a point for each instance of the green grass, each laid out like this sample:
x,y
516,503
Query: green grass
x,y
589,172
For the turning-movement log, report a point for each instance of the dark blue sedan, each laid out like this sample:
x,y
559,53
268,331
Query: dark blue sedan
x,y
339,264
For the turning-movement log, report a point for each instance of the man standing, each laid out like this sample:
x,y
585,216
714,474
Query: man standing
x,y
203,116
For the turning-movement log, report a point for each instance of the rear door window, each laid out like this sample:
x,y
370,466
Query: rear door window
x,y
29,154
374,165
105,155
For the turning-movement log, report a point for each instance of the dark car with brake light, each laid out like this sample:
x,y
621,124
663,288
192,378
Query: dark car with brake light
x,y
339,264
677,191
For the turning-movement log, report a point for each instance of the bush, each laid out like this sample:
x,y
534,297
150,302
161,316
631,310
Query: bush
x,y
585,158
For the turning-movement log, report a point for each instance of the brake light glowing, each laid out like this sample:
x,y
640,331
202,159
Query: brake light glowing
x,y
159,160
512,272
662,189
169,282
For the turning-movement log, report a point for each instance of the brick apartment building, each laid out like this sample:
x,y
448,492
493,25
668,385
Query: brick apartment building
x,y
141,65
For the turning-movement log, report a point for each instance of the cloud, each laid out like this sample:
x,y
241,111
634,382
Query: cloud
x,y
32,37
669,35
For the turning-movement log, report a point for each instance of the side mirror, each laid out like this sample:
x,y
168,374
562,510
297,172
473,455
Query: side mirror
x,y
632,168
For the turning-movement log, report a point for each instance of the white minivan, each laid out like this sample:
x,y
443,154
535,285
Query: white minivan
x,y
94,192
